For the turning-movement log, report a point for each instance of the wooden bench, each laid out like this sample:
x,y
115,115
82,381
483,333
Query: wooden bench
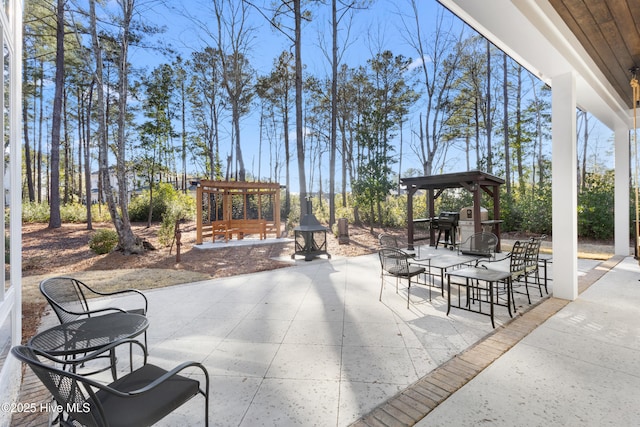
x,y
240,227
220,228
248,226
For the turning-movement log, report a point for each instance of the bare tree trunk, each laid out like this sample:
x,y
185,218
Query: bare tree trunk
x,y
40,133
81,136
184,142
104,184
302,180
287,160
239,158
520,166
54,189
345,160
438,75
505,124
538,131
467,144
67,151
334,114
399,188
488,120
127,241
87,157
27,146
477,129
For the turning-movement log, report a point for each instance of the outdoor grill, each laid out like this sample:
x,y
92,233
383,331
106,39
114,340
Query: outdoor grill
x,y
310,237
447,222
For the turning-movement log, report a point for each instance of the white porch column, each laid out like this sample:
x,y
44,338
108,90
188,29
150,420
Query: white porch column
x,y
564,187
621,213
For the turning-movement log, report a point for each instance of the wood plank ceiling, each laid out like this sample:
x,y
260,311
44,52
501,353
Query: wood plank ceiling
x,y
609,30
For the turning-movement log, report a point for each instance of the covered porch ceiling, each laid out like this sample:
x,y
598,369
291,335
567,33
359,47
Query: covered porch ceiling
x,y
609,31
599,40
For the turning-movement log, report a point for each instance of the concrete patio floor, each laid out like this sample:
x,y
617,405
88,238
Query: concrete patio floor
x,y
578,368
312,345
307,345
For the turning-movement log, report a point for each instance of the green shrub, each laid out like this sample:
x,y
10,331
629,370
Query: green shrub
x,y
33,212
164,196
345,212
100,212
103,241
595,207
73,212
182,209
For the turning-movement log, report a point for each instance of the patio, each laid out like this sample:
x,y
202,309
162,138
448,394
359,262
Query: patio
x,y
579,367
308,345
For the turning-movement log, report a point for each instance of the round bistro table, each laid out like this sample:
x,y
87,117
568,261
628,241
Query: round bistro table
x,y
90,334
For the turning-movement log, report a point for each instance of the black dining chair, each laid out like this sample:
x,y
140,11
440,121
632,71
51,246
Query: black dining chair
x,y
389,241
142,397
69,298
532,261
514,263
396,263
482,244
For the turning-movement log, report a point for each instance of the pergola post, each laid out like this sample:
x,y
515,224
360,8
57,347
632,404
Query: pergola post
x,y
432,214
496,214
477,200
410,192
199,215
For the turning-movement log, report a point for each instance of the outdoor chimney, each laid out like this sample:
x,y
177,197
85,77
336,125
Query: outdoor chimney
x,y
310,237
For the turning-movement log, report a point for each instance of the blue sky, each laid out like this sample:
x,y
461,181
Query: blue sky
x,y
372,30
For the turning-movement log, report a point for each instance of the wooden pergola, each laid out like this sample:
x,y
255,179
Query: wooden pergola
x,y
473,181
218,201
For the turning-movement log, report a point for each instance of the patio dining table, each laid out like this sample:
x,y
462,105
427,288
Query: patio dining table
x,y
473,276
544,261
448,261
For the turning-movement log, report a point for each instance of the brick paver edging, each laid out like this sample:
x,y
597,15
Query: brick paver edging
x,y
413,404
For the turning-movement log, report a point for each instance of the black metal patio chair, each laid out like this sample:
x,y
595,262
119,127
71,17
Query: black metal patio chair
x,y
396,263
532,261
482,244
389,241
142,397
69,299
515,263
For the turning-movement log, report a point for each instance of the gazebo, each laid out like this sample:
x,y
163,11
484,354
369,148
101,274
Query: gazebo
x,y
473,181
234,207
